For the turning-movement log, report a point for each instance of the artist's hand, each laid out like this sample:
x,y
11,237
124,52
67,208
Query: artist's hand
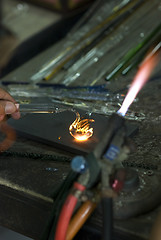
x,y
8,105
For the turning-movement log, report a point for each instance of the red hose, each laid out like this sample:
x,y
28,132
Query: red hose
x,y
66,213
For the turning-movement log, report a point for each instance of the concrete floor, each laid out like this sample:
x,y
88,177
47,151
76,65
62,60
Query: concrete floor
x,y
19,17
6,234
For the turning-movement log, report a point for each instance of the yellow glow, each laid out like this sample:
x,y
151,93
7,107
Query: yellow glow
x,y
80,128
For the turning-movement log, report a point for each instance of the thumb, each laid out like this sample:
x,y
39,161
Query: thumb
x,y
7,107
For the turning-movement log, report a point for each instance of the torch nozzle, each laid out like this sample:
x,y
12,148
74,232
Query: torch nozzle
x,y
115,122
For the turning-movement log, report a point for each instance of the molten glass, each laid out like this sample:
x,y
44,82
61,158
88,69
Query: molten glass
x,y
139,81
80,128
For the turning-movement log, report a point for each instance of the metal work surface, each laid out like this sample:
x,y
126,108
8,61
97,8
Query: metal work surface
x,y
32,170
57,131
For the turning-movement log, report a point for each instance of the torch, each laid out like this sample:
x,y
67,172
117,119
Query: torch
x,y
105,159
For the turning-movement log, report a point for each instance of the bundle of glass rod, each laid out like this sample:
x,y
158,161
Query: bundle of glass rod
x,y
100,60
78,46
102,30
94,51
69,43
135,55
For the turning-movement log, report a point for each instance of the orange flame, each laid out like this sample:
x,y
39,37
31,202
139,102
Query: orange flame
x,y
139,81
80,128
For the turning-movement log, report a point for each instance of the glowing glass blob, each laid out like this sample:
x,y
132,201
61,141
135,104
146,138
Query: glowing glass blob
x,y
80,128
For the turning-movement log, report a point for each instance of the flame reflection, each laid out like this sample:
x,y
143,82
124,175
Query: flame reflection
x,y
9,136
80,128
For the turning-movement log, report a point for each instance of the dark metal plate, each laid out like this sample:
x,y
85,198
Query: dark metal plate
x,y
53,129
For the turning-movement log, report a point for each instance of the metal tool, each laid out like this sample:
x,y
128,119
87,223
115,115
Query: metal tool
x,y
43,108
